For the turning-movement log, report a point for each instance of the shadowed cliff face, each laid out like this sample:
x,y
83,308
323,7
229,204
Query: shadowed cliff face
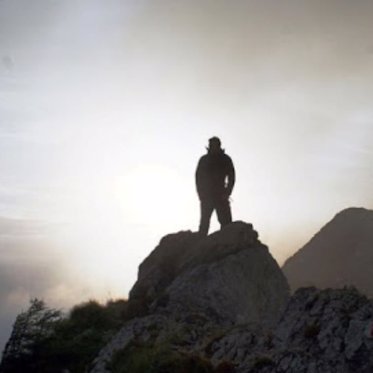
x,y
229,275
340,254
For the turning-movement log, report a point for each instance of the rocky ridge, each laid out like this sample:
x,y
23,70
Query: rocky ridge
x,y
221,304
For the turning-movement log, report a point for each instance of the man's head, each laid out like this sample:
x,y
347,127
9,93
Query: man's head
x,y
214,145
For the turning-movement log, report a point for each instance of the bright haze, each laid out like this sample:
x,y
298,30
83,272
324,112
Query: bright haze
x,y
107,105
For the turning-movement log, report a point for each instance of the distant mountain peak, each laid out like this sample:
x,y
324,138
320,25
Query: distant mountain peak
x,y
340,254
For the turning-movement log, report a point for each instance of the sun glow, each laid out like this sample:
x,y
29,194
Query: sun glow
x,y
154,194
123,221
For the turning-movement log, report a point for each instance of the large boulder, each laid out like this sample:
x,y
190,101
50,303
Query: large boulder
x,y
229,275
190,292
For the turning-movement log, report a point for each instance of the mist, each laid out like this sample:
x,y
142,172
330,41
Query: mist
x,y
106,106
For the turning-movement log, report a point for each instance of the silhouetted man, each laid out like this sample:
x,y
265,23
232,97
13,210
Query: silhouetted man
x,y
215,177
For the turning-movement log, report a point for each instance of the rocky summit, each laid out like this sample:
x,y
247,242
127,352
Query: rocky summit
x,y
197,286
220,304
340,254
229,275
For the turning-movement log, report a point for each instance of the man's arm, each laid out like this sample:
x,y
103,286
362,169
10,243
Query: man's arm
x,y
199,177
231,173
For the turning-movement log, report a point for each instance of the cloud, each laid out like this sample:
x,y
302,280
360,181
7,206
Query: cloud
x,y
23,22
20,281
19,227
30,267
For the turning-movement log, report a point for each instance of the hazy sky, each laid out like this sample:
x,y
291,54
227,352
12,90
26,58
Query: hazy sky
x,y
107,105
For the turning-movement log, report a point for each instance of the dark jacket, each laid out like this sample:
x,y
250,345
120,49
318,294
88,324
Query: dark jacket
x,y
215,176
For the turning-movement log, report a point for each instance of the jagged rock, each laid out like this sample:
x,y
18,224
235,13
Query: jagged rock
x,y
138,329
319,332
209,299
229,275
159,269
341,254
326,329
197,288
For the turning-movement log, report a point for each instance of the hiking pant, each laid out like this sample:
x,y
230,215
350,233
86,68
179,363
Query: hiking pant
x,y
223,211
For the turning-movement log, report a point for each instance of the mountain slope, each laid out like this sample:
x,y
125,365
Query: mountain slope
x,y
340,254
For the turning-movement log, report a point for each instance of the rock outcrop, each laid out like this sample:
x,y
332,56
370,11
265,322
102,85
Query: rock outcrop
x,y
198,286
220,304
341,254
229,275
321,331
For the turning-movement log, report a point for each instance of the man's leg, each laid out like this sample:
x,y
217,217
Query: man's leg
x,y
207,208
223,210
